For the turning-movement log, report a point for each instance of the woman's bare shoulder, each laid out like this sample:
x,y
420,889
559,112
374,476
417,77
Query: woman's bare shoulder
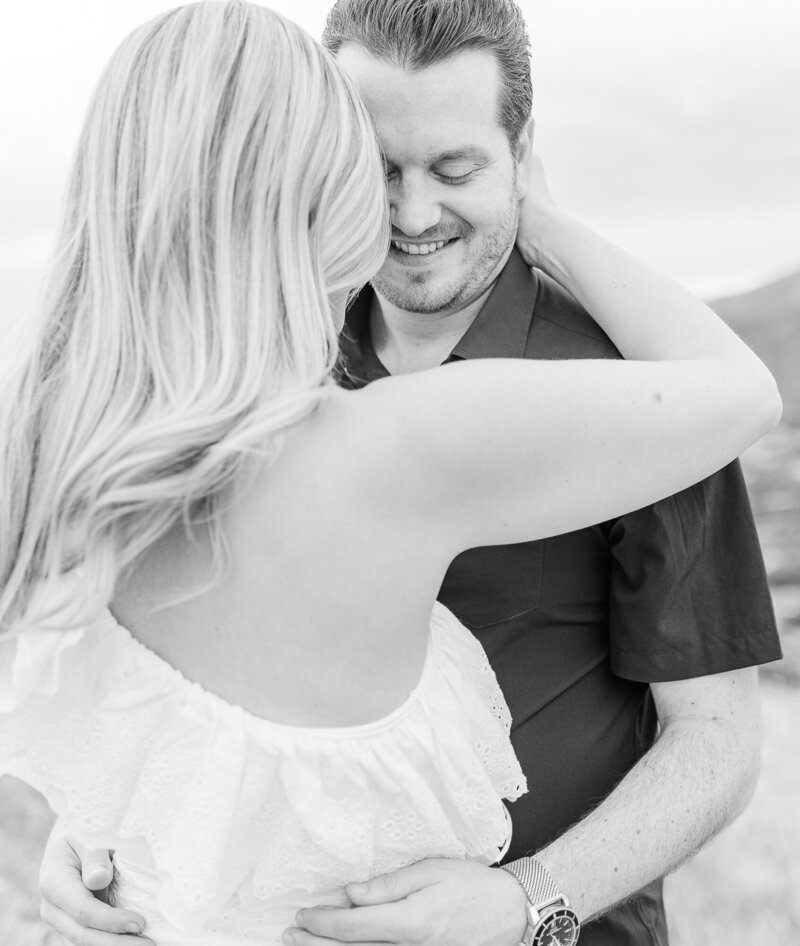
x,y
366,423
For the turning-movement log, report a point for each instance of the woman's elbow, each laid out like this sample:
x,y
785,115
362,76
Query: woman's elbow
x,y
776,404
767,403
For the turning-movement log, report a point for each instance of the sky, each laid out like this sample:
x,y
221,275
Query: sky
x,y
672,126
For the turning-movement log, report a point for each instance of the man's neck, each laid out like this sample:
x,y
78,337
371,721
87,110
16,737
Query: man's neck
x,y
414,341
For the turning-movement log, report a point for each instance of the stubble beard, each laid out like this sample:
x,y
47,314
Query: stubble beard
x,y
418,292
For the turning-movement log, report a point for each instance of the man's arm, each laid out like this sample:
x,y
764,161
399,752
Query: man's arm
x,y
68,876
696,778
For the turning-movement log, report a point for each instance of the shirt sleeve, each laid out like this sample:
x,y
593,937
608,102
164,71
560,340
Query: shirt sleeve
x,y
689,593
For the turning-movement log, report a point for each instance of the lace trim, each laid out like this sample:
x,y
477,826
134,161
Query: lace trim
x,y
229,809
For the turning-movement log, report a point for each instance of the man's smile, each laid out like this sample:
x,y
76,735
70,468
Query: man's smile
x,y
421,249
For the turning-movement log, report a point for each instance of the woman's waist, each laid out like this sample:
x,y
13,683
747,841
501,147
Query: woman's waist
x,y
236,923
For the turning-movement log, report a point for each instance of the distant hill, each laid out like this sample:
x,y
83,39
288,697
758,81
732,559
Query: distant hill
x,y
768,318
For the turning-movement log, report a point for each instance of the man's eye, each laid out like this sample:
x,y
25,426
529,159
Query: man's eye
x,y
456,173
455,178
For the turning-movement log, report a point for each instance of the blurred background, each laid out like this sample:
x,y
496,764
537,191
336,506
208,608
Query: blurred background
x,y
674,129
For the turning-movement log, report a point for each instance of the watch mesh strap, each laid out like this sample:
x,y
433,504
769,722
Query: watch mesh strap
x,y
537,883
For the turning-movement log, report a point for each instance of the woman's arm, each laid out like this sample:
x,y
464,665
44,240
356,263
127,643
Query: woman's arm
x,y
649,316
532,449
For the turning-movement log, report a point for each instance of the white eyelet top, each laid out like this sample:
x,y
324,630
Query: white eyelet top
x,y
231,815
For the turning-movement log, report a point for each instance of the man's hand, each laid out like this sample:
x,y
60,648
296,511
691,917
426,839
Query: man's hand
x,y
68,876
432,903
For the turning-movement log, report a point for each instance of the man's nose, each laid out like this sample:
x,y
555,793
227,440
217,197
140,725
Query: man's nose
x,y
414,209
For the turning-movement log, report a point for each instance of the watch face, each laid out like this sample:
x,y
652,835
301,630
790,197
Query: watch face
x,y
559,929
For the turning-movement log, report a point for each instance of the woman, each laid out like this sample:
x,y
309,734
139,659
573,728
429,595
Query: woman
x,y
237,724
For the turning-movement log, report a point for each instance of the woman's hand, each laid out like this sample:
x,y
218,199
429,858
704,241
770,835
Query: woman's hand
x,y
537,211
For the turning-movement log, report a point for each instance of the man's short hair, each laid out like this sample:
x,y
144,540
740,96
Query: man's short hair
x,y
414,34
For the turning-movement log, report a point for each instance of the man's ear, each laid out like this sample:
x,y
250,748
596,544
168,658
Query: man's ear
x,y
524,149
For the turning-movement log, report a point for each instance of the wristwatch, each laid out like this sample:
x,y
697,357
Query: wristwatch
x,y
551,922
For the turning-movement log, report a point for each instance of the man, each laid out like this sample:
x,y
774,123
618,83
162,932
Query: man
x,y
626,651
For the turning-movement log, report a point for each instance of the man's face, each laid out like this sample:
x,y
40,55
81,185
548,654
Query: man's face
x,y
451,175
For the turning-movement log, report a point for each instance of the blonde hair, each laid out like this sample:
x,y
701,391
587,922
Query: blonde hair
x,y
227,182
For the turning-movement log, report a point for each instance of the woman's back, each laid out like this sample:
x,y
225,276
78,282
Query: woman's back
x,y
321,615
311,719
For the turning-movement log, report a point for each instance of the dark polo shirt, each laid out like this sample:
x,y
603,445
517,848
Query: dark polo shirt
x,y
576,626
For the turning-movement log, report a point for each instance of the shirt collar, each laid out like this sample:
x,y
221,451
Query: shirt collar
x,y
358,362
500,329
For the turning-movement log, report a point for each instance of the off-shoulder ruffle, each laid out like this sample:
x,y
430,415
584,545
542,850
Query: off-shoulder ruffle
x,y
223,804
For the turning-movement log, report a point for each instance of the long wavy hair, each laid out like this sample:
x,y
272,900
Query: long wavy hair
x,y
227,182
